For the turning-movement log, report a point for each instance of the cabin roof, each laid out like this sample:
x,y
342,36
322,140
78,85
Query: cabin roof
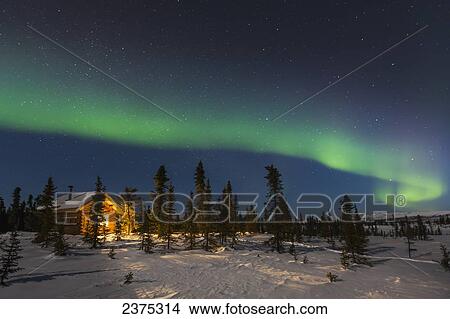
x,y
74,200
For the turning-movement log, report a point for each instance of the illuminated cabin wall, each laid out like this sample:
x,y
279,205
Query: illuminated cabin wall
x,y
112,210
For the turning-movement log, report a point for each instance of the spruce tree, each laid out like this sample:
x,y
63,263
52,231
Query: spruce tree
x,y
345,259
96,228
148,227
112,253
148,243
331,277
60,246
224,228
3,217
207,226
96,217
445,260
143,229
10,257
46,214
355,240
17,210
99,187
421,229
277,213
293,251
87,231
129,197
160,181
128,278
229,228
190,229
409,233
118,226
104,230
201,196
31,217
199,179
170,210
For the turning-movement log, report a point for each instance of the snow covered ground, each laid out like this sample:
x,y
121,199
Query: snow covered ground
x,y
252,270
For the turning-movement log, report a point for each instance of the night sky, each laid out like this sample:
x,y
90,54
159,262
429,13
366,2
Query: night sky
x,y
222,71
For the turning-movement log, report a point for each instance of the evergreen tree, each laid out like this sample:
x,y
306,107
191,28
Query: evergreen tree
x,y
170,210
345,259
31,216
190,229
96,227
104,230
148,227
143,229
10,257
160,181
421,229
229,227
332,277
87,233
409,232
445,261
99,187
199,179
293,251
396,231
277,212
3,217
112,253
353,232
207,226
17,210
118,226
147,242
60,246
129,197
202,195
96,218
160,209
128,278
46,215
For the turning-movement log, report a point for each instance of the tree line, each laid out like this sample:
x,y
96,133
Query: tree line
x,y
162,221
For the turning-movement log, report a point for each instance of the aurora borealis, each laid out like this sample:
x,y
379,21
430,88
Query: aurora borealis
x,y
365,130
337,151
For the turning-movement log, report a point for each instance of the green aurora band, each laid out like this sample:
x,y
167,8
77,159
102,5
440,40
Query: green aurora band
x,y
34,109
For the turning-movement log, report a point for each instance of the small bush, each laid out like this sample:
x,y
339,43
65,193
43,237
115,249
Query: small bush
x,y
345,259
293,252
128,278
60,245
112,253
445,258
332,277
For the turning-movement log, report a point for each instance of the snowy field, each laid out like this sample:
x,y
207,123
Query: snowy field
x,y
251,270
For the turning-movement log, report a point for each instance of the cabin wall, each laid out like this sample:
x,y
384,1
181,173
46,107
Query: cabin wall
x,y
77,221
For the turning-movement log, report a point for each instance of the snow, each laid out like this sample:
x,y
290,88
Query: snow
x,y
251,270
